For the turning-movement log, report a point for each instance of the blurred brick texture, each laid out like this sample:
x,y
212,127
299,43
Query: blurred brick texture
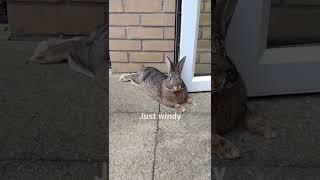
x,y
37,17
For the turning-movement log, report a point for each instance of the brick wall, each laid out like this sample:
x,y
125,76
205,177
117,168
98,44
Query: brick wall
x,y
29,17
142,32
204,40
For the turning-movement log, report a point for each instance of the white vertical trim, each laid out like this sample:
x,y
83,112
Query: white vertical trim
x,y
188,46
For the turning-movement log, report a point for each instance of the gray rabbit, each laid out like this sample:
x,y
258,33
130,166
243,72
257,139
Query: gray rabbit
x,y
229,98
169,90
86,55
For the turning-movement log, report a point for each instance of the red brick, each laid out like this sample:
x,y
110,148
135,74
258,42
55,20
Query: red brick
x,y
205,57
169,32
206,33
142,5
205,19
206,6
169,5
157,19
125,67
146,57
115,6
157,45
204,45
118,56
124,45
124,19
117,32
144,33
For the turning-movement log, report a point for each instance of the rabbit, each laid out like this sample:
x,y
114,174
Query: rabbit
x,y
85,55
169,90
229,96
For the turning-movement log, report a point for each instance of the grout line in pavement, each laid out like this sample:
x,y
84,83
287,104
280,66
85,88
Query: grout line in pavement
x,y
155,147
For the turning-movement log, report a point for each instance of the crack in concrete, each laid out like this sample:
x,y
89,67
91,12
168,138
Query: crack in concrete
x,y
155,146
155,150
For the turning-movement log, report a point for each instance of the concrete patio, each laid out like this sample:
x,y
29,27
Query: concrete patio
x,y
172,149
157,148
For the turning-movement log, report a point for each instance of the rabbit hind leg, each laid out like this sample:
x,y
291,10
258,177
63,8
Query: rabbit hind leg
x,y
129,77
125,77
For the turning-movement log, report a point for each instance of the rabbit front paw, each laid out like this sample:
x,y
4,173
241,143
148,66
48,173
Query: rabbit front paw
x,y
191,101
180,108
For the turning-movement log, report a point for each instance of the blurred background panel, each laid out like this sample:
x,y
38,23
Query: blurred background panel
x,y
294,22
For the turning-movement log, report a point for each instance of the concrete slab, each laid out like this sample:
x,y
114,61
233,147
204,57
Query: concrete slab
x,y
203,101
268,173
183,150
48,111
125,97
296,119
17,170
131,146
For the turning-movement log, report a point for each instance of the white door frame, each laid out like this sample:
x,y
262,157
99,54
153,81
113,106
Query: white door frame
x,y
190,10
269,71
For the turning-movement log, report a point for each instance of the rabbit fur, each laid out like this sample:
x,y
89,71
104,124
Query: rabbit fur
x,y
169,90
85,55
229,98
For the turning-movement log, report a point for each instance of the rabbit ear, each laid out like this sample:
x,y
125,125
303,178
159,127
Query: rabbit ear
x,y
224,10
181,63
169,64
98,34
102,32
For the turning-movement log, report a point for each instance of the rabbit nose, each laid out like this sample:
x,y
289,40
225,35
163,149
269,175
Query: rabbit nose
x,y
177,87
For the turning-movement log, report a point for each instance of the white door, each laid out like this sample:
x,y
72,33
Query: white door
x,y
190,13
270,70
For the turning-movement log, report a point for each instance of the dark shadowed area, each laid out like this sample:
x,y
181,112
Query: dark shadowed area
x,y
53,121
